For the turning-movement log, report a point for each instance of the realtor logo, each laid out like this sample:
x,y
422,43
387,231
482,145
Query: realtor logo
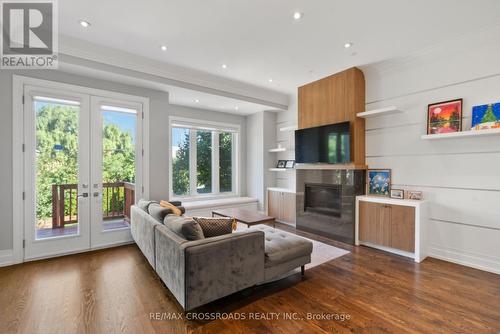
x,y
29,34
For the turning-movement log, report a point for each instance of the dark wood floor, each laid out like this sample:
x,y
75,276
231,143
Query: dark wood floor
x,y
116,291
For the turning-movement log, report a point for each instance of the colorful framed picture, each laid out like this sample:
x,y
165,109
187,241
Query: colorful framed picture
x,y
444,117
281,164
379,182
486,117
415,195
290,164
397,193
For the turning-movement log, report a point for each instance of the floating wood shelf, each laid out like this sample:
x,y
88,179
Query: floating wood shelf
x,y
379,112
277,149
289,128
470,133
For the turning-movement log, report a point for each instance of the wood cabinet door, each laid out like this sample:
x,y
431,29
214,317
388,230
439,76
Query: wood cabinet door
x,y
374,223
274,204
369,218
403,228
288,207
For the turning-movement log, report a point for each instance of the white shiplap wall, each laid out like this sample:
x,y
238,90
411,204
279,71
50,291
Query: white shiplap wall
x,y
460,177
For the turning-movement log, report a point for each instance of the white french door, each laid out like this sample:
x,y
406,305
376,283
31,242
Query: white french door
x,y
83,169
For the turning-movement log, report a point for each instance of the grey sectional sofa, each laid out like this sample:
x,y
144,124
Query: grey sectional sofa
x,y
201,271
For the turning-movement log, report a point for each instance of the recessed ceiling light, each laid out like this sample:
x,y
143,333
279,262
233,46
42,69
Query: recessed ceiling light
x,y
236,108
196,100
224,66
163,48
348,45
270,80
297,16
84,24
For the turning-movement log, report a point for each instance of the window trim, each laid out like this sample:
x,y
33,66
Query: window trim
x,y
214,127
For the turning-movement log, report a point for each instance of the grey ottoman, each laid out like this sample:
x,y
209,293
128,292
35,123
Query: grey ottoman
x,y
283,252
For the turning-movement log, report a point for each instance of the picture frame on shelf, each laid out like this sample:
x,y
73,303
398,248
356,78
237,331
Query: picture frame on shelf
x,y
444,117
378,182
486,116
281,164
397,193
290,164
415,195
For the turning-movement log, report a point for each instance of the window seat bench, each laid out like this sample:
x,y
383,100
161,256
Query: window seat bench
x,y
204,208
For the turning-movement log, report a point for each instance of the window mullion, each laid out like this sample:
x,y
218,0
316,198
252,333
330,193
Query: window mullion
x,y
215,163
193,175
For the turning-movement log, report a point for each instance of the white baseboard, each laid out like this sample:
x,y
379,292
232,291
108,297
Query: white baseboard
x,y
481,262
6,257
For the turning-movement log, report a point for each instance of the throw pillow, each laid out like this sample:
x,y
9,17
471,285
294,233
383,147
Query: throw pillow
x,y
184,227
175,210
144,204
213,227
158,212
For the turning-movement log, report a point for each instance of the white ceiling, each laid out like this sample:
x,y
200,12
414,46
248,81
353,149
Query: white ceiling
x,y
259,39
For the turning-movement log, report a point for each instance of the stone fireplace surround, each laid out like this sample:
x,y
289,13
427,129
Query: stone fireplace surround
x,y
336,226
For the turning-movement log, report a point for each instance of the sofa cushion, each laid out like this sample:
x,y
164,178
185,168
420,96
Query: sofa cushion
x,y
144,204
214,227
281,247
158,212
184,227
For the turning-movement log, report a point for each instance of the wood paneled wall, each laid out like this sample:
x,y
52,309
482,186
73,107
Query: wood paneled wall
x,y
334,99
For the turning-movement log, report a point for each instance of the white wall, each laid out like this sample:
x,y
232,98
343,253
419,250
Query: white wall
x,y
458,176
261,132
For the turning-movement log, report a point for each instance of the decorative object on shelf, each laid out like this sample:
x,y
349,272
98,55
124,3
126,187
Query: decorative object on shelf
x,y
486,117
397,193
379,182
281,164
415,195
444,117
290,164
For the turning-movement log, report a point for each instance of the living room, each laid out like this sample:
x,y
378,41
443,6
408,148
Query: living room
x,y
250,167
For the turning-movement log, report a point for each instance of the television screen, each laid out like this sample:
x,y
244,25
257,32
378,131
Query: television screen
x,y
324,144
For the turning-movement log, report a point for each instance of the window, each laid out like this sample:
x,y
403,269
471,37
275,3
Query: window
x,y
203,159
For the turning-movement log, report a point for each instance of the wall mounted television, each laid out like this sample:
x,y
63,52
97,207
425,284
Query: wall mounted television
x,y
323,144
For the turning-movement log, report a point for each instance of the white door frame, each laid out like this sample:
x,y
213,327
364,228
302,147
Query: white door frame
x,y
18,145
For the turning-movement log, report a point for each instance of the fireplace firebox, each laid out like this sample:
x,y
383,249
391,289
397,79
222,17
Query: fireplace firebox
x,y
324,199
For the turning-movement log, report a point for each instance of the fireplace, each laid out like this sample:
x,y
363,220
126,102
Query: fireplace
x,y
326,201
323,199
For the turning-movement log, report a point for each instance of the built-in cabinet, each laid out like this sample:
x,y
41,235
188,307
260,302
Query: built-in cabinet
x,y
393,225
281,205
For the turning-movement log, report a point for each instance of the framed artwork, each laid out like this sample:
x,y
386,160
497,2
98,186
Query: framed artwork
x,y
290,164
415,195
486,117
281,164
444,117
397,193
379,182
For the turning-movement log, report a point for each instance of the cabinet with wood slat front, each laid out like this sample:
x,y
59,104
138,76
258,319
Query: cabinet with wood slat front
x,y
391,225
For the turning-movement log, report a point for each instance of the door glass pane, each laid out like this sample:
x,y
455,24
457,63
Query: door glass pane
x,y
56,167
180,161
118,165
226,162
204,161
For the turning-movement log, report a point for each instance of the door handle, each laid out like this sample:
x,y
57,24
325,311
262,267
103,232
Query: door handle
x,y
96,194
84,195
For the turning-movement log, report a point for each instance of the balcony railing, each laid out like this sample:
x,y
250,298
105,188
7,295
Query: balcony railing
x,y
117,198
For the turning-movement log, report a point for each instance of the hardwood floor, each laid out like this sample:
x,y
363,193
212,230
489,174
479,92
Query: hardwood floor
x,y
116,291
